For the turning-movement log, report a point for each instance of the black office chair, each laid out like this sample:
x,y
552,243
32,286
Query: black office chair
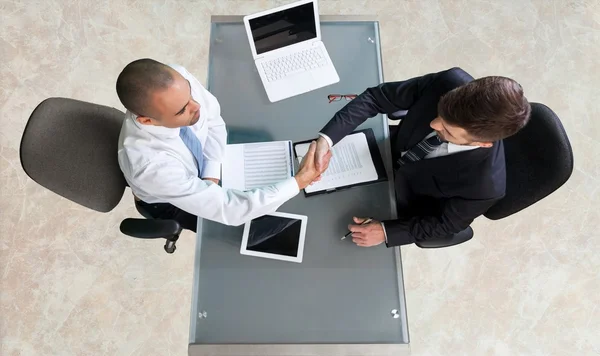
x,y
539,160
70,148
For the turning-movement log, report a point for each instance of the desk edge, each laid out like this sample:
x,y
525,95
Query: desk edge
x,y
327,18
297,349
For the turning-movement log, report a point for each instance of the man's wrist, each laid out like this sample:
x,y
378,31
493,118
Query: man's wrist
x,y
326,139
301,181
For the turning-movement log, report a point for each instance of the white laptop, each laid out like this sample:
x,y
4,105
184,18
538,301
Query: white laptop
x,y
287,49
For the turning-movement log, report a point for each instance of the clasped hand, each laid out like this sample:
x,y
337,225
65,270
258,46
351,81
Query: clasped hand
x,y
310,172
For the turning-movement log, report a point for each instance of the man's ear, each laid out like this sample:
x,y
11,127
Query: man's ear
x,y
145,120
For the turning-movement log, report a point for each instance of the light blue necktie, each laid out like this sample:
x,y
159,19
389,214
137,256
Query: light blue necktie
x,y
193,144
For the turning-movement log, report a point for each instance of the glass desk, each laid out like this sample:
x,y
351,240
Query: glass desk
x,y
341,298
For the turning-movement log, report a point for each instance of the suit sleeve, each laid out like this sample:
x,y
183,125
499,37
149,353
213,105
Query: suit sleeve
x,y
457,215
386,98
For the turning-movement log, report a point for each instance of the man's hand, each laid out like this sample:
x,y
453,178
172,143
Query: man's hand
x,y
367,235
322,154
308,172
214,180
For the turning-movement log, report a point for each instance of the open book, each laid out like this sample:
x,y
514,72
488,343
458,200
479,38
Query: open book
x,y
352,163
253,165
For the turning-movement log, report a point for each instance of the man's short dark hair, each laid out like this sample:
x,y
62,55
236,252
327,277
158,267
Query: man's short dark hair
x,y
138,79
489,108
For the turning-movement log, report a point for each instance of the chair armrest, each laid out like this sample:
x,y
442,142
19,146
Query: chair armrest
x,y
151,229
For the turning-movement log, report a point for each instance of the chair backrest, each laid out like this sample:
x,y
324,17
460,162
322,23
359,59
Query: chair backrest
x,y
539,159
70,147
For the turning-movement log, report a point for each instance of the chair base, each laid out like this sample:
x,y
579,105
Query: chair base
x,y
448,241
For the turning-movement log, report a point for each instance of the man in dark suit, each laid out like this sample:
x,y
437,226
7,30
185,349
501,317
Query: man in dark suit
x,y
447,151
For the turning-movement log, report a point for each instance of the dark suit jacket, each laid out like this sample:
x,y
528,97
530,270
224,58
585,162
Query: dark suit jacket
x,y
435,197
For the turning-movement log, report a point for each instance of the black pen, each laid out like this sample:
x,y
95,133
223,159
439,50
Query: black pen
x,y
368,220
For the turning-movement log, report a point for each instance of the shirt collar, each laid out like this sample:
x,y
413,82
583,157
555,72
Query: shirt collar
x,y
160,131
453,148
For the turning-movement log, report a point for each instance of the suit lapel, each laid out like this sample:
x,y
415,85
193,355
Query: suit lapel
x,y
415,125
413,130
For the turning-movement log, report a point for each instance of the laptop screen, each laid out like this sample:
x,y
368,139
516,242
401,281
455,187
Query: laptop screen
x,y
283,28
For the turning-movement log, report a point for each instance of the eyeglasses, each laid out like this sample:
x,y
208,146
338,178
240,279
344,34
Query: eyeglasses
x,y
338,97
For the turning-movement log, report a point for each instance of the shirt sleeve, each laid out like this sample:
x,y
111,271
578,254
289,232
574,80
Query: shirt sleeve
x,y
384,233
168,181
329,142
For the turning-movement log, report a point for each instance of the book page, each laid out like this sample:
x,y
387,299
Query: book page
x,y
253,165
351,163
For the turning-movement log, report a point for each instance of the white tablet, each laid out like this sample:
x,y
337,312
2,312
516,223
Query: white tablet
x,y
279,236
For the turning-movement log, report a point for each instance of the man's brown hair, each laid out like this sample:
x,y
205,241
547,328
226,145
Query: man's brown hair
x,y
489,108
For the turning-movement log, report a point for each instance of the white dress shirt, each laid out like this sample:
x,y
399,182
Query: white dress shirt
x,y
160,168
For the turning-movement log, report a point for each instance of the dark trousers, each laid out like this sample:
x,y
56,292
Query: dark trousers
x,y
166,211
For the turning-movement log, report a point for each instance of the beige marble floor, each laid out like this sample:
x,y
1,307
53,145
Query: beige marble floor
x,y
71,284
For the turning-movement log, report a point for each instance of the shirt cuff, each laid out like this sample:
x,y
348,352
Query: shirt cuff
x,y
384,232
211,169
288,188
327,139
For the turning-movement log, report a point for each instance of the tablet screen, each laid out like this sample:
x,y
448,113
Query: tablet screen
x,y
274,234
278,236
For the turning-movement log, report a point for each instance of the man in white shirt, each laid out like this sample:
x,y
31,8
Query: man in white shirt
x,y
447,152
172,145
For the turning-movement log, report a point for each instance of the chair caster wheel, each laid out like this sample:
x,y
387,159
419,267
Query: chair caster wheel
x,y
170,249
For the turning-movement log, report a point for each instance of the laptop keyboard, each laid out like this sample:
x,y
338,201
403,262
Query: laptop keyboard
x,y
293,64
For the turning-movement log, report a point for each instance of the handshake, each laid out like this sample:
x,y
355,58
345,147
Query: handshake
x,y
314,163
